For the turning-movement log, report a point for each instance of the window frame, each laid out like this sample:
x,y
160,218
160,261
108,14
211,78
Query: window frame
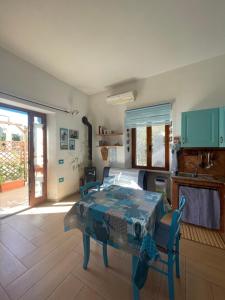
x,y
149,149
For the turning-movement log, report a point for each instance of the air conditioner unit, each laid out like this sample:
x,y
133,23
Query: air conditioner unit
x,y
120,99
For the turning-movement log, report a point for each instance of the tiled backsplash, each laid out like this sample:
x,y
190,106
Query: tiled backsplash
x,y
205,161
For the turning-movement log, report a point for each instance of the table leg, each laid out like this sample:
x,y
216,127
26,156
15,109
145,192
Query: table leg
x,y
105,255
86,244
135,289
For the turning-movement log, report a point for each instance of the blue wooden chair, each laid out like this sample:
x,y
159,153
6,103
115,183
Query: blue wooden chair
x,y
167,237
90,188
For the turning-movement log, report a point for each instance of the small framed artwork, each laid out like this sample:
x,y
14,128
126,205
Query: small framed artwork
x,y
72,144
72,134
76,134
64,138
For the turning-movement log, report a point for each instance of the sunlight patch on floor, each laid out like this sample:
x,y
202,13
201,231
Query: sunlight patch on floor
x,y
13,210
64,203
51,209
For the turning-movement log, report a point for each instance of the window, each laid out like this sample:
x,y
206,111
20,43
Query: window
x,y
150,147
150,135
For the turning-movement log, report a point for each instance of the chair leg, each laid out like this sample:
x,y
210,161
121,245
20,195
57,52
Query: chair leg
x,y
134,287
86,244
105,256
170,277
177,258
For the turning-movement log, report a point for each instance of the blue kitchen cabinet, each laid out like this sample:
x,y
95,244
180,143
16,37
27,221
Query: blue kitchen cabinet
x,y
222,127
200,128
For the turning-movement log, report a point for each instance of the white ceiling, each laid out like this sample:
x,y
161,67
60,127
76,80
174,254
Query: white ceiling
x,y
92,44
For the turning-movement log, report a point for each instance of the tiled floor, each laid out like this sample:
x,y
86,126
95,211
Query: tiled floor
x,y
39,261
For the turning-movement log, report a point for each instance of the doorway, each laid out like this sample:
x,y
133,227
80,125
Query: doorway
x,y
37,158
23,168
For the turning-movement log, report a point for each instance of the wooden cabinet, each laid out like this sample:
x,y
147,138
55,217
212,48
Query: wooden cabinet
x,y
200,128
178,181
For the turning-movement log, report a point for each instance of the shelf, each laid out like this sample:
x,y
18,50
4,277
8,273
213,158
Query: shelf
x,y
110,134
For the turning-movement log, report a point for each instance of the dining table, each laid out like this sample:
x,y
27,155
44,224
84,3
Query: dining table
x,y
121,217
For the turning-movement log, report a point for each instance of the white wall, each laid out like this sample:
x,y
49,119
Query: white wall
x,y
25,80
196,86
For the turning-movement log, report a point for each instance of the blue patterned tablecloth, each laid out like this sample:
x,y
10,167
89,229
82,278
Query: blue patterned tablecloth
x,y
118,216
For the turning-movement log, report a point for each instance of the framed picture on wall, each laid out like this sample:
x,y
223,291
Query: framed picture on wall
x,y
72,144
73,134
76,134
64,138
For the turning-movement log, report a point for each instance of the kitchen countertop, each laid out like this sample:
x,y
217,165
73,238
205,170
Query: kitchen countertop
x,y
199,177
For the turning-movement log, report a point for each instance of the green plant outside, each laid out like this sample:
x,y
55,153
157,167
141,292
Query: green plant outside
x,y
10,172
2,179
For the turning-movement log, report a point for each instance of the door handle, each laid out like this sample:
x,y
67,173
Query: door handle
x,y
221,139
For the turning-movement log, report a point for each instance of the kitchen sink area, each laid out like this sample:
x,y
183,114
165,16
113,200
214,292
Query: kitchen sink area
x,y
200,177
205,194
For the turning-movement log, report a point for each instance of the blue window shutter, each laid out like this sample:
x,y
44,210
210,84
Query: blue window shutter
x,y
148,116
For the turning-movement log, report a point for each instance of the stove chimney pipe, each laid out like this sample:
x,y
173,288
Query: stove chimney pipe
x,y
85,122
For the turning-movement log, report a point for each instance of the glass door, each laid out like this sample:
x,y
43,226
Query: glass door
x,y
37,158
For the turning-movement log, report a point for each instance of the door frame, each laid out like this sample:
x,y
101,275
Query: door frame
x,y
31,177
32,200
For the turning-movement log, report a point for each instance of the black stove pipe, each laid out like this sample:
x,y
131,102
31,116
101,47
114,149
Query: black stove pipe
x,y
85,122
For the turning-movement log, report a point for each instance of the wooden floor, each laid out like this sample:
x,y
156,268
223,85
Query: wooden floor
x,y
39,261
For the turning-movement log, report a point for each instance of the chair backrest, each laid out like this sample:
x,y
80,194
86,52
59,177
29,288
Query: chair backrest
x,y
89,186
175,224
